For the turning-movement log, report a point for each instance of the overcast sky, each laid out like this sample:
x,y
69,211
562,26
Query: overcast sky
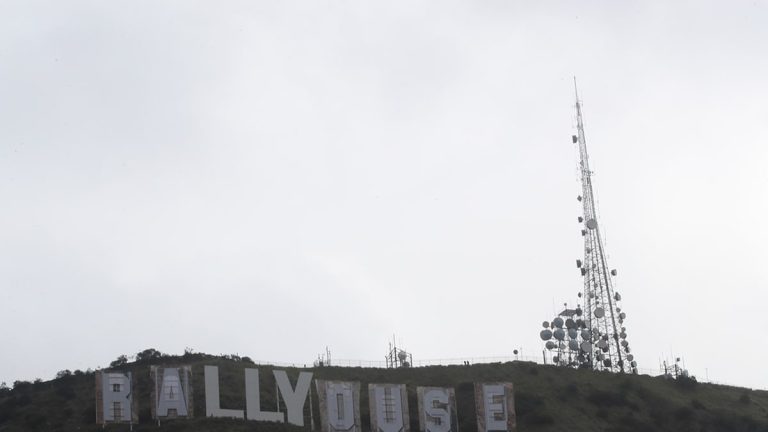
x,y
269,178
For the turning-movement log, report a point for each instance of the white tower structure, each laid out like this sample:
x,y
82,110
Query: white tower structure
x,y
599,338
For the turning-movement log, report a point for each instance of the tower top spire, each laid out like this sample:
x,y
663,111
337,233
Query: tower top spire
x,y
575,89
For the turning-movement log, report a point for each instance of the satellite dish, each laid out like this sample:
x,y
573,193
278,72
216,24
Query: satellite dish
x,y
599,312
591,224
570,323
562,345
558,322
559,334
579,294
630,357
585,334
573,344
622,315
546,334
617,297
556,359
586,346
624,343
545,324
623,335
602,344
573,333
607,362
514,352
634,364
402,355
578,309
550,345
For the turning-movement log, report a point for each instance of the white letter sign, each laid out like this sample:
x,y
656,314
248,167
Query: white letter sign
x,y
212,401
114,398
495,403
388,405
294,398
253,400
437,409
172,393
339,405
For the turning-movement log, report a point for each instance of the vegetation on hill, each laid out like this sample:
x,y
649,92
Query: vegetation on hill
x,y
546,398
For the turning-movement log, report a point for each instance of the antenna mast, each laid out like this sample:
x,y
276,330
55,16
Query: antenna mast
x,y
602,314
594,335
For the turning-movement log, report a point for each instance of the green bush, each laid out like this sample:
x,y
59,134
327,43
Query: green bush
x,y
686,383
120,361
538,419
607,398
34,421
684,413
697,404
745,398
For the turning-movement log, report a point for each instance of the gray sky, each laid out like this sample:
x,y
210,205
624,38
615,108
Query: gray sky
x,y
268,178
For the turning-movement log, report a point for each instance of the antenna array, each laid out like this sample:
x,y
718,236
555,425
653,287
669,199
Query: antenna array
x,y
593,336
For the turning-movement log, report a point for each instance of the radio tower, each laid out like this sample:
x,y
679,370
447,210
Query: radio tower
x,y
602,313
592,336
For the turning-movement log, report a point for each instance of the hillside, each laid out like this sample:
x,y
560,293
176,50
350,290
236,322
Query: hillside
x,y
546,398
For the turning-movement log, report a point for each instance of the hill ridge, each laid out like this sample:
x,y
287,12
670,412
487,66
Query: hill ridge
x,y
547,398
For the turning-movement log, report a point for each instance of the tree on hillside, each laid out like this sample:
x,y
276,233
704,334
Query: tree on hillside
x,y
148,354
120,361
